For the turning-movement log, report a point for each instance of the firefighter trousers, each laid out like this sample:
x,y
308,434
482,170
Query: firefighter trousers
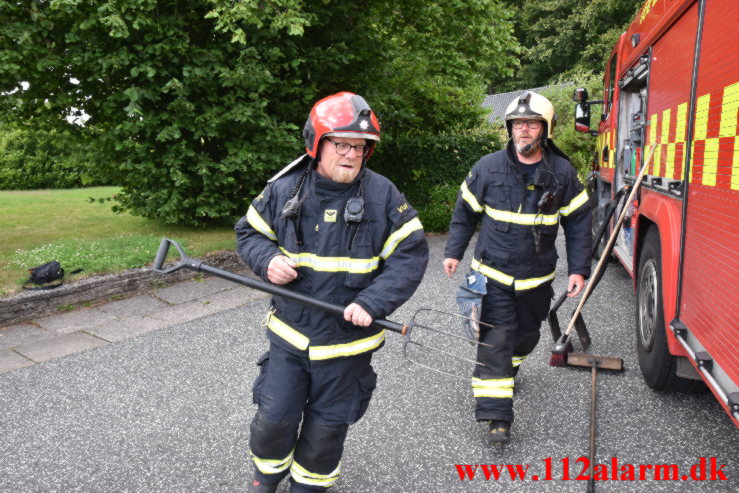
x,y
516,319
305,409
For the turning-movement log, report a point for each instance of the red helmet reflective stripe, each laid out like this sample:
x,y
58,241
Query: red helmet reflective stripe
x,y
342,115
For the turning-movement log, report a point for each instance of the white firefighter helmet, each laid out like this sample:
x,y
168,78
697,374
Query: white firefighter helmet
x,y
531,106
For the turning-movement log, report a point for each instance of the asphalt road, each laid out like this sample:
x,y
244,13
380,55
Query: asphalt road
x,y
169,411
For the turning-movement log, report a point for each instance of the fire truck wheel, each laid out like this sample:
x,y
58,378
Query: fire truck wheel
x,y
597,220
656,363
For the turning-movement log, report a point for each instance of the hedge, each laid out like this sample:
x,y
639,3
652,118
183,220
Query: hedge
x,y
32,159
429,168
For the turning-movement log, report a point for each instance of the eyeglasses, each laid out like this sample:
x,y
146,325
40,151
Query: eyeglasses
x,y
532,124
342,148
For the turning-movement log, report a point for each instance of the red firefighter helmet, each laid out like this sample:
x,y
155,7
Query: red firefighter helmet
x,y
342,115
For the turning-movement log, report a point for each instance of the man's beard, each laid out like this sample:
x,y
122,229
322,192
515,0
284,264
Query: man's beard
x,y
521,147
343,175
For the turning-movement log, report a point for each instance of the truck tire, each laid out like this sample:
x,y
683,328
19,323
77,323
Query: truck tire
x,y
598,214
655,361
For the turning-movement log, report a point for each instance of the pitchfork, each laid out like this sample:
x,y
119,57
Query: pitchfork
x,y
406,329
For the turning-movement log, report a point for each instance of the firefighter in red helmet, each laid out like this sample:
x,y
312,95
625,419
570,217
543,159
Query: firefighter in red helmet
x,y
341,115
330,228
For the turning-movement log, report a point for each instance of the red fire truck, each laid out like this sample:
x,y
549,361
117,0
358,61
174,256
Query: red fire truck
x,y
672,81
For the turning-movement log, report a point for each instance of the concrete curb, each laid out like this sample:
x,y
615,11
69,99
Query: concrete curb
x,y
34,304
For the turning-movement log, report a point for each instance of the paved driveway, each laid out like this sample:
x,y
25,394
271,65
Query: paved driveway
x,y
169,411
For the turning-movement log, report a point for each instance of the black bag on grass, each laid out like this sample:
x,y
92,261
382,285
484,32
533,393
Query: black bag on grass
x,y
43,274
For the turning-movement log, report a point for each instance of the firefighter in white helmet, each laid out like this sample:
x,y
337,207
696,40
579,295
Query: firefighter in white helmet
x,y
520,195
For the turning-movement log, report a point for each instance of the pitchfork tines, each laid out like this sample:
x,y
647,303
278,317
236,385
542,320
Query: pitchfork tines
x,y
424,340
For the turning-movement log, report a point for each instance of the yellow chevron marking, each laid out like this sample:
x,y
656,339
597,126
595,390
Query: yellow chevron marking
x,y
682,118
701,117
710,162
664,140
680,128
666,126
653,136
670,160
701,125
729,109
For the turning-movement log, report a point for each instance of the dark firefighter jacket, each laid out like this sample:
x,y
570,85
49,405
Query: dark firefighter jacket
x,y
377,263
494,192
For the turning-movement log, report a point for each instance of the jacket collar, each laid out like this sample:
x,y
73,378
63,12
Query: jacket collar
x,y
325,185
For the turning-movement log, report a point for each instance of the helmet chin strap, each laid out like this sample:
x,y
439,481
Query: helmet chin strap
x,y
531,147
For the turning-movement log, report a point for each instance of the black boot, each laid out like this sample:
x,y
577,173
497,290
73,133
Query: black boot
x,y
257,487
500,431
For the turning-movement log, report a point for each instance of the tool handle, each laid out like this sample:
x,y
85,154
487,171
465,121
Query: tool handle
x,y
196,265
559,302
593,395
611,241
161,255
184,262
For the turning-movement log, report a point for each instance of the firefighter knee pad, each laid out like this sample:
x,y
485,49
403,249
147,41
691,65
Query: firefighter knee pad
x,y
320,446
272,440
494,358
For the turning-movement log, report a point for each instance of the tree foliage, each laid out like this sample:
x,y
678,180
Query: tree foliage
x,y
193,104
561,38
31,158
438,57
579,146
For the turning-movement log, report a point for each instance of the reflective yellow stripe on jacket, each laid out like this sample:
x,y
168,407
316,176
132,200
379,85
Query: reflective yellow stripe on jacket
x,y
401,234
503,278
510,216
316,353
346,349
470,198
334,264
524,219
574,204
286,332
256,222
355,265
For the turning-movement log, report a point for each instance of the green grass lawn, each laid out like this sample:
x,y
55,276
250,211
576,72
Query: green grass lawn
x,y
43,225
